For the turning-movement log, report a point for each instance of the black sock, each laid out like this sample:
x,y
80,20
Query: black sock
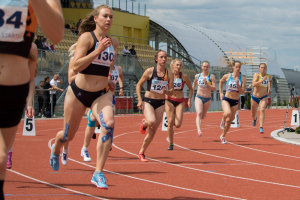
x,y
261,127
1,190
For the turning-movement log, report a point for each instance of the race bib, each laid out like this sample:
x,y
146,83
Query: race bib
x,y
13,16
158,86
232,86
265,82
114,76
106,57
177,83
201,82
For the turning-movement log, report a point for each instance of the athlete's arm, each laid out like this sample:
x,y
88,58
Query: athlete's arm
x,y
222,80
270,85
243,88
147,75
256,82
189,85
84,43
195,81
50,18
213,83
32,67
170,90
71,73
121,78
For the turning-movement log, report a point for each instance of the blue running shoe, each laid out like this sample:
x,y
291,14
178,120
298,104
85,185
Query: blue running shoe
x,y
254,122
99,180
261,130
54,160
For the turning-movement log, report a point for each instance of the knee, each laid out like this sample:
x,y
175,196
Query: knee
x,y
110,123
199,114
171,122
177,125
151,123
262,110
3,160
226,115
203,116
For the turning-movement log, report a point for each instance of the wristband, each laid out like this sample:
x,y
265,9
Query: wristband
x,y
121,88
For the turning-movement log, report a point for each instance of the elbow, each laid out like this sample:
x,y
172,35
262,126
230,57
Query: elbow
x,y
56,38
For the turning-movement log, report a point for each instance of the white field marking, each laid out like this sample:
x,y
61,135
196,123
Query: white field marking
x,y
216,173
173,186
158,183
53,185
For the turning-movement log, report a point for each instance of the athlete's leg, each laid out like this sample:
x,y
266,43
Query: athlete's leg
x,y
226,117
199,112
171,118
205,108
179,114
153,118
254,106
262,107
102,109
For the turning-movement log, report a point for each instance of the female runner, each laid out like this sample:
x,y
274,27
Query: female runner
x,y
262,84
157,78
175,103
206,83
235,84
21,22
92,58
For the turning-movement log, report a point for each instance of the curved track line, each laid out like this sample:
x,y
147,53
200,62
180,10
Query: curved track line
x,y
53,185
216,173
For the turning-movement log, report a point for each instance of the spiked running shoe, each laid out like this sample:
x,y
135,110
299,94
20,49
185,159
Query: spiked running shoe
x,y
9,162
223,140
94,136
99,180
64,157
254,122
200,133
54,160
261,130
142,157
222,125
142,128
171,147
85,155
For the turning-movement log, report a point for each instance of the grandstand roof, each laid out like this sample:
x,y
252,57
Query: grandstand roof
x,y
292,78
209,44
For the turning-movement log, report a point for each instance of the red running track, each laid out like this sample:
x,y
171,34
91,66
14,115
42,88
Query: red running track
x,y
249,166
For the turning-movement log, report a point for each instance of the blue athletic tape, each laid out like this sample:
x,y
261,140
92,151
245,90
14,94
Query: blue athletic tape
x,y
110,130
114,100
90,122
65,134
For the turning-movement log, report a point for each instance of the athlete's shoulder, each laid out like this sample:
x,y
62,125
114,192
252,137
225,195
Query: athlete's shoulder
x,y
115,42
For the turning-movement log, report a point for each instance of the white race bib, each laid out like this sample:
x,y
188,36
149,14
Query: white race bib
x,y
106,57
158,86
114,76
13,16
177,83
201,82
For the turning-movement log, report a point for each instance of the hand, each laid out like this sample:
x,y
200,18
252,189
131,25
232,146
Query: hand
x,y
264,78
221,96
104,42
269,93
30,112
111,86
189,103
62,90
140,105
205,81
121,92
164,91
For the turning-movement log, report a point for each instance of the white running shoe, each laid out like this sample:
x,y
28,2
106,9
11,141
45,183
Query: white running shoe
x,y
64,157
223,140
85,155
200,133
222,125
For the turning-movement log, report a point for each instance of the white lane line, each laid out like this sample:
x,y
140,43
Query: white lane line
x,y
226,175
57,186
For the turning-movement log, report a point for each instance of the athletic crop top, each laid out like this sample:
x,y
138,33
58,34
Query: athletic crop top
x,y
201,82
114,75
156,83
178,83
231,84
17,27
265,82
101,64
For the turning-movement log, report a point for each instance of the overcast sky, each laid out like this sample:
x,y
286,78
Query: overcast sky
x,y
273,23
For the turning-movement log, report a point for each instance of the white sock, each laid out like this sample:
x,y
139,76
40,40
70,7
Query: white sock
x,y
84,148
65,150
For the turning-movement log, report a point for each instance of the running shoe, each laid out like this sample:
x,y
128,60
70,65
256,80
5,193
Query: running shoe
x,y
94,136
99,180
222,125
200,133
85,155
261,130
170,147
142,129
254,122
9,162
223,140
54,160
142,157
64,157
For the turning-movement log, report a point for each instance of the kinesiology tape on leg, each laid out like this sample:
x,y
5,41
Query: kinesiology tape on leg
x,y
65,137
90,122
110,130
